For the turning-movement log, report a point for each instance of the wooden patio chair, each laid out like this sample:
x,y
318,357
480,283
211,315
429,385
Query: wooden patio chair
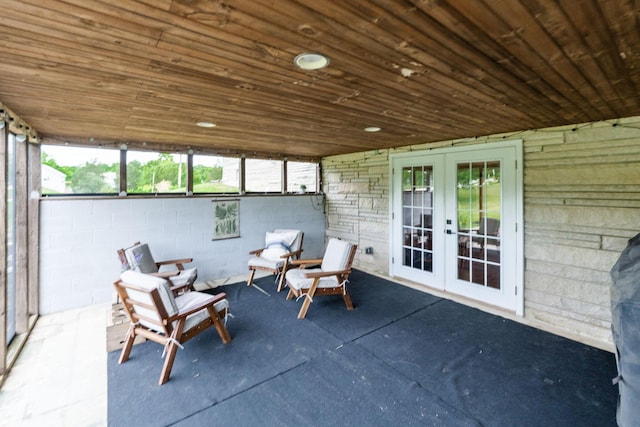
x,y
488,233
329,279
157,315
138,257
281,247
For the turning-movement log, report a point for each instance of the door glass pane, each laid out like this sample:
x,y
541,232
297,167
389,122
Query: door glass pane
x,y
417,214
479,194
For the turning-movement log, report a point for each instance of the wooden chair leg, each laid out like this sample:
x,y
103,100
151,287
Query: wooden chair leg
x,y
219,324
290,294
250,280
128,345
172,349
281,282
307,299
347,300
305,307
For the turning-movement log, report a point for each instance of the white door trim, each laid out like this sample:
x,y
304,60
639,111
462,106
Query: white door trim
x,y
519,208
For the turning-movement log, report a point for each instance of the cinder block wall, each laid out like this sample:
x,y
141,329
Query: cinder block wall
x,y
79,238
582,200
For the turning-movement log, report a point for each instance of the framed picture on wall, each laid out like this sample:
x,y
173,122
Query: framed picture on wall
x,y
226,218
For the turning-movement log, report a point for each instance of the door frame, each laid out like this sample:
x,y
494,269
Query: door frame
x,y
519,207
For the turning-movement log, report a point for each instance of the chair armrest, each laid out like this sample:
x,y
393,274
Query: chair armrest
x,y
177,262
205,303
291,254
256,252
316,274
306,262
165,274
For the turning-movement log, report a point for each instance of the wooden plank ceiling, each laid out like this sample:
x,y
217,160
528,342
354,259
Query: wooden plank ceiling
x,y
145,72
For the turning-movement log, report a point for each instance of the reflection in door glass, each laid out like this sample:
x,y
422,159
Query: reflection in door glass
x,y
417,215
479,194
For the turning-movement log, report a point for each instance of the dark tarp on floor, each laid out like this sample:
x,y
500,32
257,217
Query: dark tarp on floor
x,y
402,357
625,325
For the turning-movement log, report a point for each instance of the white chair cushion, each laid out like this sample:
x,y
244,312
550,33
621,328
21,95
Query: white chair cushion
x,y
189,300
277,244
295,245
336,255
296,279
140,259
149,283
261,262
185,277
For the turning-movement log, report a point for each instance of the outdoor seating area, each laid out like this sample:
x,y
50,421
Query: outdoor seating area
x,y
400,357
298,213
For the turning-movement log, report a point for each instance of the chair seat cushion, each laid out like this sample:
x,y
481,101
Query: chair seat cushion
x,y
296,279
262,262
189,300
185,277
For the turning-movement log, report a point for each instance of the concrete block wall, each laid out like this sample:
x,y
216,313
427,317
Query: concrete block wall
x,y
581,200
79,238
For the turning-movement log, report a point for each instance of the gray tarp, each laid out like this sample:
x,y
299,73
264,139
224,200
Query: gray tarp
x,y
625,325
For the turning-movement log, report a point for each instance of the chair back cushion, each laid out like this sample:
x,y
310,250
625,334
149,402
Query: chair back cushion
x,y
489,226
149,283
297,242
277,244
336,256
140,259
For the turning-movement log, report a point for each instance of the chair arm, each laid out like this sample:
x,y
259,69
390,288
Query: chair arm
x,y
165,274
305,262
256,252
176,262
316,274
208,302
291,254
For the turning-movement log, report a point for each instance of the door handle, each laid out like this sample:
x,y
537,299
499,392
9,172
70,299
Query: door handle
x,y
449,231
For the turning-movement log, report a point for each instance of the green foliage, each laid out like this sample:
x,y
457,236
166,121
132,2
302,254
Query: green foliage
x,y
203,174
68,171
90,178
160,175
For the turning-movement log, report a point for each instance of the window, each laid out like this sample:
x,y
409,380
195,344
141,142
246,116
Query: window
x,y
264,176
91,170
212,174
79,170
152,172
301,177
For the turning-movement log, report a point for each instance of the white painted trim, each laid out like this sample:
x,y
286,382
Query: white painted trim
x,y
517,144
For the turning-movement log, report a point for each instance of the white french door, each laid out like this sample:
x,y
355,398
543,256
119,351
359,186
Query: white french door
x,y
456,221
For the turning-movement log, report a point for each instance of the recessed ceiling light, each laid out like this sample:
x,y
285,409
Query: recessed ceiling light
x,y
311,61
372,129
206,124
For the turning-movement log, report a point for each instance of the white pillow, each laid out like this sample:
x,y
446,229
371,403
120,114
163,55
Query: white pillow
x,y
277,244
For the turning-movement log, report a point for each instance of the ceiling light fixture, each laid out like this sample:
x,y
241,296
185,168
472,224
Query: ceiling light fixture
x,y
206,124
372,129
311,61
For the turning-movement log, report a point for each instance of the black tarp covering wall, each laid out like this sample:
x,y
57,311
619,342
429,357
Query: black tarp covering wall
x,y
625,325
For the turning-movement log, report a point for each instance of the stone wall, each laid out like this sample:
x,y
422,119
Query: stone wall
x,y
581,200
